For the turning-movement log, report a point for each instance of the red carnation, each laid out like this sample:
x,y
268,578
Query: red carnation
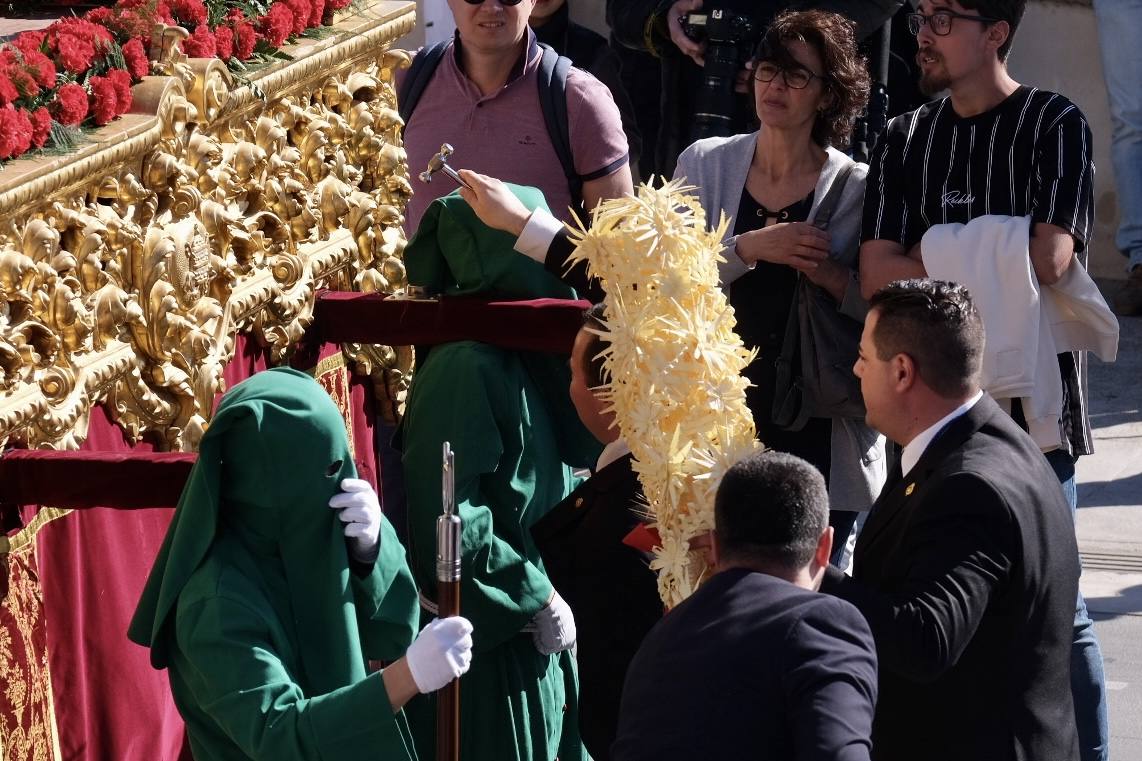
x,y
75,54
300,10
101,16
104,100
70,105
41,68
245,40
30,42
24,82
336,5
121,79
277,25
76,42
41,127
224,42
8,91
189,11
15,132
200,43
317,12
136,58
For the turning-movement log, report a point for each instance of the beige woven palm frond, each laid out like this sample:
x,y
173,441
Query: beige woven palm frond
x,y
674,363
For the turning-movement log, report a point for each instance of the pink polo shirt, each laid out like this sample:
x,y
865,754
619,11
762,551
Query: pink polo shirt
x,y
503,134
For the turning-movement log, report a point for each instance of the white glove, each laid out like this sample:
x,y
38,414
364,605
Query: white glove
x,y
361,514
554,627
440,653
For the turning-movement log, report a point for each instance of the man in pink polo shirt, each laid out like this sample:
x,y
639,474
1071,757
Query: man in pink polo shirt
x,y
483,98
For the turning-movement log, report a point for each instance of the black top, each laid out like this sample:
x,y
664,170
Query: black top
x,y
967,572
751,667
610,589
1029,156
761,300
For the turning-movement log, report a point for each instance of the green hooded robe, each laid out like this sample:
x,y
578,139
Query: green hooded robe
x,y
253,604
512,426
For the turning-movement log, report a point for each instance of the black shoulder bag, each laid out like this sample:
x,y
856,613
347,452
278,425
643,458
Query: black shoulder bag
x,y
814,370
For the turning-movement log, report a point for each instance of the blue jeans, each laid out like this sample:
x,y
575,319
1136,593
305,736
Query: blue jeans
x,y
1119,32
1088,684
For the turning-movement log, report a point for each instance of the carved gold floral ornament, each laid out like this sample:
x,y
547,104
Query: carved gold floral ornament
x,y
127,268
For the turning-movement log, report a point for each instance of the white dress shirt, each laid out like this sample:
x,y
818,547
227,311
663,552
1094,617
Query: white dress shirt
x,y
914,449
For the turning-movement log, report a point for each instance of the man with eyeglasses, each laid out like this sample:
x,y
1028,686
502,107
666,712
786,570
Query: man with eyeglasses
x,y
995,148
483,99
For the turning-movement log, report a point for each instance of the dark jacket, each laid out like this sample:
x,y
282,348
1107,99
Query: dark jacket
x,y
751,667
610,589
967,571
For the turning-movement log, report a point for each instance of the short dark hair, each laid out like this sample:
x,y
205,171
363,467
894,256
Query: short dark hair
x,y
771,508
846,75
594,319
1010,11
936,324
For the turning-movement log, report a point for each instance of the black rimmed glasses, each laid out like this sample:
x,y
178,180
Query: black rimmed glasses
x,y
795,78
502,2
940,22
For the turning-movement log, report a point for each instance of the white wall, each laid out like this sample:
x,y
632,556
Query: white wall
x,y
1056,48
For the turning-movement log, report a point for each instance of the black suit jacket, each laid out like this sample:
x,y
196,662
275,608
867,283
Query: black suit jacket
x,y
555,262
751,667
610,589
967,571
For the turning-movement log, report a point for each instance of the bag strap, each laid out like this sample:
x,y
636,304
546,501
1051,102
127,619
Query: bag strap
x,y
420,72
552,81
829,203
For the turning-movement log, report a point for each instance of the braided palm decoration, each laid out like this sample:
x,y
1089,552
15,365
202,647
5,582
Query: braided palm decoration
x,y
673,364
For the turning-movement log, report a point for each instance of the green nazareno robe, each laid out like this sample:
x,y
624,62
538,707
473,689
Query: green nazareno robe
x,y
509,419
253,604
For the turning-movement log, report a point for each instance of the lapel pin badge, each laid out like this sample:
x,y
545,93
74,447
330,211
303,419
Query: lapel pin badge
x,y
909,489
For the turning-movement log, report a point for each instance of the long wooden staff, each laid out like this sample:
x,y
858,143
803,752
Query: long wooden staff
x,y
448,600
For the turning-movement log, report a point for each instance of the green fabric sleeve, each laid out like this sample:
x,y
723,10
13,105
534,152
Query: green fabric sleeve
x,y
470,395
387,607
228,668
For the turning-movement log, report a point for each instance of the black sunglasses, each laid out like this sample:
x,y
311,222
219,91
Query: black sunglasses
x,y
940,22
502,2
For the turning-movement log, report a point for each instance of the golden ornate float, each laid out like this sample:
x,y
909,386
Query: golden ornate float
x,y
219,204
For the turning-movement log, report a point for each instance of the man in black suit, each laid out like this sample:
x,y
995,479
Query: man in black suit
x,y
756,663
610,588
967,568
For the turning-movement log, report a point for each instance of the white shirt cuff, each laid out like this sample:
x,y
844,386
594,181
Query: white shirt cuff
x,y
540,230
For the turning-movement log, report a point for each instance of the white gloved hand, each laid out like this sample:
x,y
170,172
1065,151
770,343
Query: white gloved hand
x,y
440,653
554,627
361,514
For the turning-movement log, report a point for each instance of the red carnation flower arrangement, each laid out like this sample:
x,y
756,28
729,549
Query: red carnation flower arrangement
x,y
80,69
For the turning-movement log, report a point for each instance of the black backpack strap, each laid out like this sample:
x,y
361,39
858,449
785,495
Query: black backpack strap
x,y
552,79
420,72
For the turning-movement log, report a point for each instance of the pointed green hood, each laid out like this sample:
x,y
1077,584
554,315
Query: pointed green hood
x,y
274,455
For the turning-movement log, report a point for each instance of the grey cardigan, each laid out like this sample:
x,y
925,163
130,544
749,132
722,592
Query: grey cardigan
x,y
718,167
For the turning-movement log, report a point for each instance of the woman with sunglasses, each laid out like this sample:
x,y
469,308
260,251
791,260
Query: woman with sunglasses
x,y
809,85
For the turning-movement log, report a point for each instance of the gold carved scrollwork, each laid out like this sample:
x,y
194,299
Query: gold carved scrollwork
x,y
218,206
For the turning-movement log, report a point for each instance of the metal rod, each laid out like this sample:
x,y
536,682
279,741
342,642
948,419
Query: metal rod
x,y
448,601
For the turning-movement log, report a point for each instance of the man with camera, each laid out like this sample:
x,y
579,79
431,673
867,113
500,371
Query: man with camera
x,y
704,45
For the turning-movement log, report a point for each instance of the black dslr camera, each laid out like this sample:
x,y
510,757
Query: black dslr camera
x,y
730,38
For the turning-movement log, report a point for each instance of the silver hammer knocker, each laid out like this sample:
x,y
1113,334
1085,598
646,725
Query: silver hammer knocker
x,y
439,163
